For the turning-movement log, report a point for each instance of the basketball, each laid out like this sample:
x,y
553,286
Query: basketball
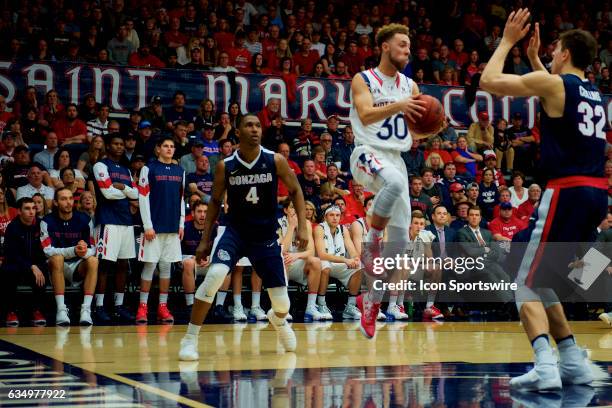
x,y
432,118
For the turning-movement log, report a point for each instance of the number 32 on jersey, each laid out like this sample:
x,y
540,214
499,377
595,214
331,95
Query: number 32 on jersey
x,y
593,120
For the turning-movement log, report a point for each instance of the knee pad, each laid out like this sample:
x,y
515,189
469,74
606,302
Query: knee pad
x,y
524,294
212,282
397,241
392,188
164,270
147,271
279,297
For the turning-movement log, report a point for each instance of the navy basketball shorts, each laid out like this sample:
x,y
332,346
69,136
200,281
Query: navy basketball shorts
x,y
566,221
266,258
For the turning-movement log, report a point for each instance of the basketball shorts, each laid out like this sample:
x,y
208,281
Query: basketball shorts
x,y
296,273
265,256
244,261
339,271
115,242
164,248
71,274
199,270
366,162
566,221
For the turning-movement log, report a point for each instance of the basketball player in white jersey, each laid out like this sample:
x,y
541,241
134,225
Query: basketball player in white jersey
x,y
381,97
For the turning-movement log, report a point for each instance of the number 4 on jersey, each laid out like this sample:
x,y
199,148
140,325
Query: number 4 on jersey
x,y
252,195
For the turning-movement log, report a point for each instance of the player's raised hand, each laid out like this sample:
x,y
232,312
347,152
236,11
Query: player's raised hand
x,y
533,50
517,26
203,251
413,108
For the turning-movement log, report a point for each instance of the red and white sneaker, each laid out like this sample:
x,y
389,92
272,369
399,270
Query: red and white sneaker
x,y
38,319
432,313
164,315
141,314
369,313
12,320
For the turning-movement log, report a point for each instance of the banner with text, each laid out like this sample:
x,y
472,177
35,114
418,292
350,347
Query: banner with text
x,y
126,88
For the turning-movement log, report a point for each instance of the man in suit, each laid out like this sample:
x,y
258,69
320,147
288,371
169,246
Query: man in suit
x,y
474,242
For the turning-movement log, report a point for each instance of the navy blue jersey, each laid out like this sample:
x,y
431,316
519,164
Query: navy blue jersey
x,y
161,199
251,195
113,204
574,144
204,182
60,237
191,238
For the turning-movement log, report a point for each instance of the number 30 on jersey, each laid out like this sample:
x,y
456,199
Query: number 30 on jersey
x,y
393,126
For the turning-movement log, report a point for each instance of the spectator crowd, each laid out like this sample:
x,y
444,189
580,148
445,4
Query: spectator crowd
x,y
482,178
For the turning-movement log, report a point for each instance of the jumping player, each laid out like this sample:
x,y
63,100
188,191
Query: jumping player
x,y
250,177
572,157
381,97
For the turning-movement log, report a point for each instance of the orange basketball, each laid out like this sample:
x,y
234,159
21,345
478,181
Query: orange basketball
x,y
431,121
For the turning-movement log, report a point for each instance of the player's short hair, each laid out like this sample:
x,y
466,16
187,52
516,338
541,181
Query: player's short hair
x,y
388,31
162,139
581,45
242,119
417,214
110,136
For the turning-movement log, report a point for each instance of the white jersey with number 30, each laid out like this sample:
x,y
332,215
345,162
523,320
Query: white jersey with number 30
x,y
391,133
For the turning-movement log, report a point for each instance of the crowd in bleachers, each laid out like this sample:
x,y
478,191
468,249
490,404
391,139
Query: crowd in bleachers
x,y
49,144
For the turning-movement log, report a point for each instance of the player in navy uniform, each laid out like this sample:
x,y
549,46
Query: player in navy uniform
x,y
575,201
114,229
162,208
250,178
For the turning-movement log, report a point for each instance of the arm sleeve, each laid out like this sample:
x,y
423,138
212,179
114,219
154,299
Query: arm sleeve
x,y
131,191
47,245
182,219
143,198
105,183
91,247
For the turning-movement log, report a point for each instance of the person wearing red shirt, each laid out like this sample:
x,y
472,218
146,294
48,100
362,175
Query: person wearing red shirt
x,y
270,112
144,58
284,150
70,130
355,200
353,60
174,38
506,225
458,54
346,218
240,57
435,146
340,71
305,60
526,209
490,162
4,115
504,197
268,45
223,37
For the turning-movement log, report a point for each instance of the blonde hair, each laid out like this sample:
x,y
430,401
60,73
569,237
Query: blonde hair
x,y
428,161
388,31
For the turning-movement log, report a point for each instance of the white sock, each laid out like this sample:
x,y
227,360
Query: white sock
x,y
400,298
144,297
431,297
255,298
189,299
119,298
429,304
352,300
220,298
99,299
193,329
59,300
392,301
163,297
321,300
374,235
237,300
312,300
87,300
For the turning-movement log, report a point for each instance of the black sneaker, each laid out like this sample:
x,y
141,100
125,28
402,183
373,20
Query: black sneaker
x,y
122,315
220,315
100,316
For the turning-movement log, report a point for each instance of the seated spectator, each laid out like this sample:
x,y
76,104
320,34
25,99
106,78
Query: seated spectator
x,y
311,213
119,47
343,150
259,65
414,159
523,143
326,197
211,146
145,144
447,78
441,231
42,208
61,160
99,125
196,60
526,209
35,185
465,160
326,145
309,181
89,108
45,157
490,162
188,161
206,115
96,151
435,163
503,145
431,187
67,238
24,264
6,216
130,146
480,134
457,194
154,115
341,186
306,140
179,113
345,218
289,77
318,154
305,60
239,55
223,65
355,202
489,194
473,193
448,134
434,145
16,172
504,197
506,225
71,131
69,182
418,199
87,203
225,130
517,191
52,110
8,144
269,113
281,51
340,72
339,260
32,131
283,149
235,115
201,180
144,58
332,129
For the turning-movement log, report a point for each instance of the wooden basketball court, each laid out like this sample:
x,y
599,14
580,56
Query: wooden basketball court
x,y
241,365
